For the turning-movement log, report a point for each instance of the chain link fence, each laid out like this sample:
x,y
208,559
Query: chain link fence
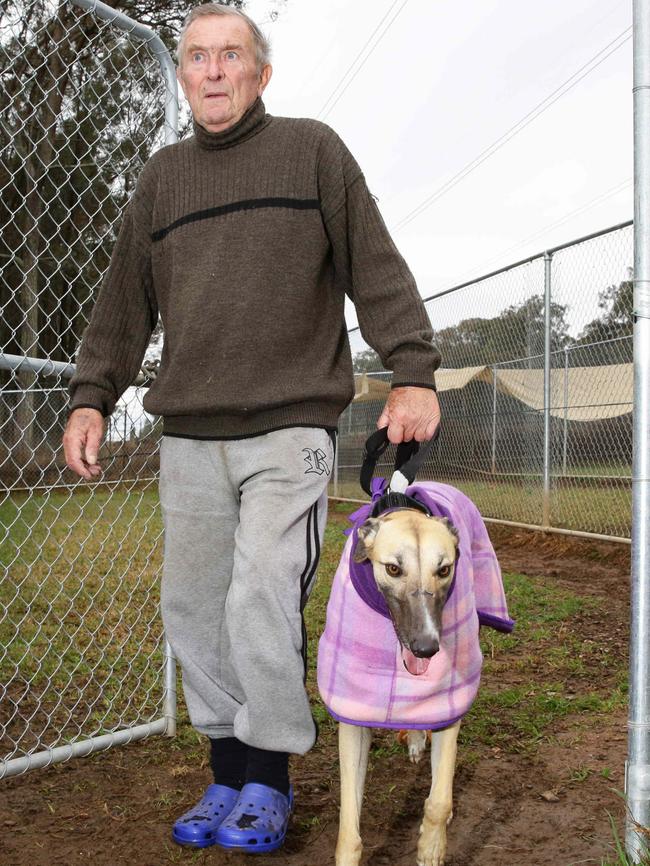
x,y
85,96
533,436
536,397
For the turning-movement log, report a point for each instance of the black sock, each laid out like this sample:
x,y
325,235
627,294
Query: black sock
x,y
269,768
228,759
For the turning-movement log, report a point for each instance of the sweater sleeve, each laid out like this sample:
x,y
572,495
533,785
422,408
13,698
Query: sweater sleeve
x,y
391,314
125,313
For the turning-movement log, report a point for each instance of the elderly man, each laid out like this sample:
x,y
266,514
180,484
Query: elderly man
x,y
245,238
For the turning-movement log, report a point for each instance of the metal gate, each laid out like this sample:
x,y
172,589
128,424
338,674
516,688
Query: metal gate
x,y
86,95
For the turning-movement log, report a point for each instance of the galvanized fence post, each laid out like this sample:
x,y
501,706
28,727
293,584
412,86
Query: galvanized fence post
x,y
546,483
638,764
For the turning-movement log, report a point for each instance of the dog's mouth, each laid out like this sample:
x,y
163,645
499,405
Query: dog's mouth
x,y
414,665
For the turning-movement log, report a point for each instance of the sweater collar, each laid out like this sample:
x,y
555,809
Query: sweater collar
x,y
253,121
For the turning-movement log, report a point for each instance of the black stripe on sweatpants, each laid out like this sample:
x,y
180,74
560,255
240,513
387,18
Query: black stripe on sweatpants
x,y
308,562
233,207
316,557
307,574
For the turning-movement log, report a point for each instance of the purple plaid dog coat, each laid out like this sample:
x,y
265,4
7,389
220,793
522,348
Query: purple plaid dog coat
x,y
361,677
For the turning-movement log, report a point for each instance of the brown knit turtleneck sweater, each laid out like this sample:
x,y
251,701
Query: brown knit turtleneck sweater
x,y
246,242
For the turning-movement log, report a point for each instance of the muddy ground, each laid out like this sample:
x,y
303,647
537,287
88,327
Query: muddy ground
x,y
545,807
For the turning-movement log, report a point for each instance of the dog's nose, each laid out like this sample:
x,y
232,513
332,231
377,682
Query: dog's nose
x,y
424,648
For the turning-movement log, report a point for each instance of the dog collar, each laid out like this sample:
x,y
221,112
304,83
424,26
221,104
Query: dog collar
x,y
395,501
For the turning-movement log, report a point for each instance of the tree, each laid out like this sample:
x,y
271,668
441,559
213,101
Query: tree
x,y
366,361
80,113
603,334
516,333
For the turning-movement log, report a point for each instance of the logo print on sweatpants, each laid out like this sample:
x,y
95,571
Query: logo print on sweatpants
x,y
316,460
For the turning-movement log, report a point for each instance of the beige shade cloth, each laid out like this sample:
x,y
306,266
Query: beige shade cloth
x,y
370,388
592,393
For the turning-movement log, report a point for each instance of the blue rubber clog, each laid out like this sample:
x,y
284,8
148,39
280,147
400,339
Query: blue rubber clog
x,y
258,822
198,826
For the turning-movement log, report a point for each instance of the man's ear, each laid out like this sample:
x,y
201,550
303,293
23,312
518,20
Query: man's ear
x,y
265,77
366,535
179,78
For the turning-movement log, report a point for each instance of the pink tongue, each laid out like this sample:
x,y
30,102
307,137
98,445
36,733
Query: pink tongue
x,y
413,664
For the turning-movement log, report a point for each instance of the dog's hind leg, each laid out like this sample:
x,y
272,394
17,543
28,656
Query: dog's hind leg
x,y
417,743
432,843
354,745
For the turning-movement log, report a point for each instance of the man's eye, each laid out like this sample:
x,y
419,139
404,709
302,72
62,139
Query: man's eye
x,y
197,58
393,570
231,55
445,571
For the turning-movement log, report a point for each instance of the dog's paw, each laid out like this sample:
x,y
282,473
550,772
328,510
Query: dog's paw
x,y
432,853
417,743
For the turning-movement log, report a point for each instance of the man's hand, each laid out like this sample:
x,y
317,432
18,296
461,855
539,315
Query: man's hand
x,y
410,413
81,440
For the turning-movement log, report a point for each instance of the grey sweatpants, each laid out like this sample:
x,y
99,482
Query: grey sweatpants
x,y
244,521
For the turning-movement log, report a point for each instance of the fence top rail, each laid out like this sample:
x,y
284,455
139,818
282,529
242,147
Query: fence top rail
x,y
526,261
39,366
119,19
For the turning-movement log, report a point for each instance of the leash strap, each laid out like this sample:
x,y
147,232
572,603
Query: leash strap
x,y
408,460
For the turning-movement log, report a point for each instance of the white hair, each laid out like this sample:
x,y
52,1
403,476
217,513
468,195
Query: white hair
x,y
261,42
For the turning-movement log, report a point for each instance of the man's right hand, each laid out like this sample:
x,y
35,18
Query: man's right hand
x,y
81,440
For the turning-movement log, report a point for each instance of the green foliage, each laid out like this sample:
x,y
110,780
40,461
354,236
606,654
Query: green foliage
x,y
616,320
622,858
517,332
366,361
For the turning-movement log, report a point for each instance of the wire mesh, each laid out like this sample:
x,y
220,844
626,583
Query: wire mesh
x,y
81,109
491,334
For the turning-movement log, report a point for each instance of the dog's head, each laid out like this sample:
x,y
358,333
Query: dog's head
x,y
413,557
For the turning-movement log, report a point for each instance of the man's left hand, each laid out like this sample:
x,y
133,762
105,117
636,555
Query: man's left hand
x,y
410,413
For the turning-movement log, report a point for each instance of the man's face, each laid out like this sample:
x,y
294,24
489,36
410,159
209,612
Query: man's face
x,y
218,71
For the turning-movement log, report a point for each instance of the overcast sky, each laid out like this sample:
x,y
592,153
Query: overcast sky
x,y
446,81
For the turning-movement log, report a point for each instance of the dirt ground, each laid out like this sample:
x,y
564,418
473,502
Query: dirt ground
x,y
546,808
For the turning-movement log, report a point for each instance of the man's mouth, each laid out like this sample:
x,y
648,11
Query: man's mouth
x,y
414,665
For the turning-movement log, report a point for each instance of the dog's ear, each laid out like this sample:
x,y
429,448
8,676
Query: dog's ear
x,y
450,526
365,538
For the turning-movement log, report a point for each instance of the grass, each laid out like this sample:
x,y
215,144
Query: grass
x,y
80,639
622,858
79,631
584,507
542,658
80,635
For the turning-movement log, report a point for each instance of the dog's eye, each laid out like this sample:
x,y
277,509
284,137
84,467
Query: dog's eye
x,y
393,570
445,571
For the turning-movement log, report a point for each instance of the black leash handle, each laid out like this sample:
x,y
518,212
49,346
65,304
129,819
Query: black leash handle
x,y
408,460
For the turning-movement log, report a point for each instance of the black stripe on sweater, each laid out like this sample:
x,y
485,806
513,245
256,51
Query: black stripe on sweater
x,y
247,204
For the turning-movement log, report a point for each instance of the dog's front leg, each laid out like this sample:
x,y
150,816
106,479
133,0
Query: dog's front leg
x,y
354,745
438,805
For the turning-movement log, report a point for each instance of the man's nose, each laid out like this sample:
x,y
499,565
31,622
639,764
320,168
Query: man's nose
x,y
215,69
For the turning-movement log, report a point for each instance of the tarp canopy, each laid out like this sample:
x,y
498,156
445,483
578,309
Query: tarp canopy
x,y
577,394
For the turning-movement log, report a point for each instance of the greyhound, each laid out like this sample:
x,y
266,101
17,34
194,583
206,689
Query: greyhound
x,y
413,558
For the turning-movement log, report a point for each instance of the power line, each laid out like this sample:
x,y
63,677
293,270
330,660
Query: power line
x,y
521,124
342,85
486,263
599,199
